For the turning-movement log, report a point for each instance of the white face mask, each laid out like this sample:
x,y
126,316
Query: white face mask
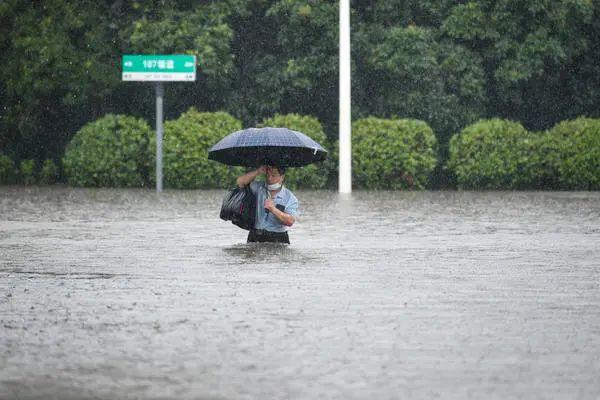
x,y
274,186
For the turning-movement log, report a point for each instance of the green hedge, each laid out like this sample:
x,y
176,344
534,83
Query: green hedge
x,y
7,170
185,151
501,154
392,153
119,150
49,173
111,151
27,172
576,157
313,176
495,154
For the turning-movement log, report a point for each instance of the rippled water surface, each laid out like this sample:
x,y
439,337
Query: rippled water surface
x,y
110,294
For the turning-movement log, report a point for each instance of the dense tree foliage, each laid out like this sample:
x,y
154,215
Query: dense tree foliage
x,y
444,62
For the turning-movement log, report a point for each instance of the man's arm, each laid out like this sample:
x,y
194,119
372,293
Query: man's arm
x,y
248,177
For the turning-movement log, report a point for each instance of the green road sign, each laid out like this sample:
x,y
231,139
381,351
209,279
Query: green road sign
x,y
159,68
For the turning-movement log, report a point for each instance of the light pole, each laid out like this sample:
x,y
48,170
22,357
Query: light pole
x,y
345,123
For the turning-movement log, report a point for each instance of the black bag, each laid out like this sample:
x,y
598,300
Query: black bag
x,y
239,207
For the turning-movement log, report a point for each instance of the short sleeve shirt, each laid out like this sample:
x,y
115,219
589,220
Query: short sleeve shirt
x,y
284,198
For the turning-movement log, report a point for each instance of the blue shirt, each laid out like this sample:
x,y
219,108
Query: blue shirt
x,y
266,220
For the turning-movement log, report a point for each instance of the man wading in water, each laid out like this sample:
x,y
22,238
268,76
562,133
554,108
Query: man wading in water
x,y
276,206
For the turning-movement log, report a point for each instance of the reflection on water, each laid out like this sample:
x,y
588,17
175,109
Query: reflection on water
x,y
263,252
70,275
126,293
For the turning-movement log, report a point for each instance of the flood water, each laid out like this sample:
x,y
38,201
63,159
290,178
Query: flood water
x,y
110,294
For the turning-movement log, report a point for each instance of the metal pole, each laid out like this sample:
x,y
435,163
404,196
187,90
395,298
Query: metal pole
x,y
160,92
345,164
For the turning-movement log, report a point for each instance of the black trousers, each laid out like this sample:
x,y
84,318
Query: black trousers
x,y
260,235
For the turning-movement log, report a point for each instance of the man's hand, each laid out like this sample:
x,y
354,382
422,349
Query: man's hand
x,y
285,219
262,169
269,204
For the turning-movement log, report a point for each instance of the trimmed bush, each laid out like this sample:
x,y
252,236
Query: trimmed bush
x,y
577,153
496,154
27,172
313,176
392,153
332,163
185,151
539,165
111,151
49,173
7,170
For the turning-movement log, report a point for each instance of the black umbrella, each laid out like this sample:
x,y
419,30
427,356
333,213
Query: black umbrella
x,y
269,146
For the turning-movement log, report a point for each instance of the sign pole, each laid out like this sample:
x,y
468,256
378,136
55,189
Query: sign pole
x,y
159,68
160,93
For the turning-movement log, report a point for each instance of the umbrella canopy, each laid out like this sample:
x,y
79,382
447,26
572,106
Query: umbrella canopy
x,y
270,146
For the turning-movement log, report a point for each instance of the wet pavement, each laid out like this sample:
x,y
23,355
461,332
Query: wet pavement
x,y
110,294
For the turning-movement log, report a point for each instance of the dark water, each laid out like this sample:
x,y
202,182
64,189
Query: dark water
x,y
111,294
